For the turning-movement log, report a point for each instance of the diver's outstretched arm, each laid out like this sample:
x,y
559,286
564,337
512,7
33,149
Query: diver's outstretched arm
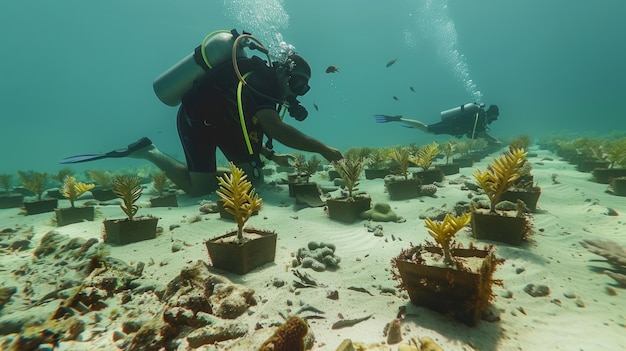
x,y
291,137
409,123
280,159
490,140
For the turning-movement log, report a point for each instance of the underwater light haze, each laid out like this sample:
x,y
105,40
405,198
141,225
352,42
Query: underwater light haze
x,y
77,76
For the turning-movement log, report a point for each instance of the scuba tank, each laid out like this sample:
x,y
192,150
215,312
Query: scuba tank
x,y
471,108
216,48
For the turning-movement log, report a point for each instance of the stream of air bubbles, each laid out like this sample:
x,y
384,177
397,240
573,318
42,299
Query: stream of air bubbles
x,y
435,24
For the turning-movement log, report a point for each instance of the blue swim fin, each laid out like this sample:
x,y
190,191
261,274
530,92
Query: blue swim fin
x,y
385,118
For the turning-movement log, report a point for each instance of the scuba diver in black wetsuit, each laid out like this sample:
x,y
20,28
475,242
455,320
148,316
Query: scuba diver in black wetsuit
x,y
470,120
232,102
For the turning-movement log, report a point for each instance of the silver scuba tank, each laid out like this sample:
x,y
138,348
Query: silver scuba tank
x,y
176,81
470,108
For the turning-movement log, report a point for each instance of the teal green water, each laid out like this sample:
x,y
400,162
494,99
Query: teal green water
x,y
76,76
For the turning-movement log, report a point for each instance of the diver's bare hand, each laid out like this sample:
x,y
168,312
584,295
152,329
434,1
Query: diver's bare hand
x,y
284,160
332,154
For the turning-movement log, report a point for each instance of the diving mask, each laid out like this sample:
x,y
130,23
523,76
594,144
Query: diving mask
x,y
299,83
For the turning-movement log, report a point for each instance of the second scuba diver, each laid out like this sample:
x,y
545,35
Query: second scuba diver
x,y
469,119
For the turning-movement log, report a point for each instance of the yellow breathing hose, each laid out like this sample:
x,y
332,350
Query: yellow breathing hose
x,y
242,118
234,54
475,123
203,46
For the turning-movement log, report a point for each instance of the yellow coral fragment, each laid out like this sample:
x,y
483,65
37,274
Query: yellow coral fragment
x,y
426,155
73,189
401,156
239,198
500,174
444,231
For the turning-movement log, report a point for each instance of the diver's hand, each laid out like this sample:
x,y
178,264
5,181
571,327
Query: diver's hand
x,y
284,160
332,154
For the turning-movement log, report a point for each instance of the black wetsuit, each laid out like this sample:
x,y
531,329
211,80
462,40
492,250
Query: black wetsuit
x,y
461,123
208,117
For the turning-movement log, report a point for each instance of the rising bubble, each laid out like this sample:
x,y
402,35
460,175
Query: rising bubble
x,y
435,24
265,19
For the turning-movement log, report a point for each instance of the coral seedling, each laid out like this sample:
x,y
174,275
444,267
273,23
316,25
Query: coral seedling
x,y
72,189
305,168
425,155
444,231
159,180
401,156
128,188
500,175
449,149
5,182
239,197
101,178
349,170
34,181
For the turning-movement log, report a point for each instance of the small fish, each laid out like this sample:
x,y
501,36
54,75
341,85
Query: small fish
x,y
360,290
413,90
349,322
395,98
316,108
309,308
391,62
332,69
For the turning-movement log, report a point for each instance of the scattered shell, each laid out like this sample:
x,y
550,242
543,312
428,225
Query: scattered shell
x,y
333,295
537,290
570,295
208,207
194,219
277,282
177,246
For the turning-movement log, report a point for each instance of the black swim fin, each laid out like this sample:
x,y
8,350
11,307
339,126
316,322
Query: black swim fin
x,y
141,143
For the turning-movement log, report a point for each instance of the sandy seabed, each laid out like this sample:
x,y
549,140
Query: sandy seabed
x,y
585,309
